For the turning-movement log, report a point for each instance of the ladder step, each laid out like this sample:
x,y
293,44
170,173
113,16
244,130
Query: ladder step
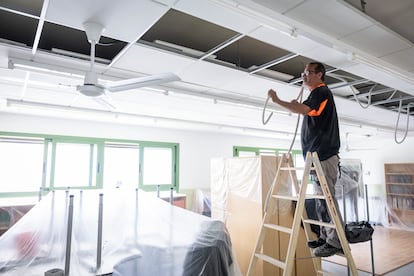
x,y
278,228
295,168
315,197
295,198
285,197
271,260
317,222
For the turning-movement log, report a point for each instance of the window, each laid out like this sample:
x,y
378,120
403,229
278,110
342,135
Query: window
x,y
251,151
158,168
30,162
75,165
21,163
121,165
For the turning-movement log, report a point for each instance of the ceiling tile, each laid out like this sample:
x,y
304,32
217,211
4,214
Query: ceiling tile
x,y
126,21
403,59
377,41
145,59
338,22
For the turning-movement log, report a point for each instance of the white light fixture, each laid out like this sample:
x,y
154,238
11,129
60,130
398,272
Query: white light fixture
x,y
32,66
44,109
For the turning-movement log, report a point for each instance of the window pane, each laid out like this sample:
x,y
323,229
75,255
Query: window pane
x,y
21,165
267,152
246,153
157,168
73,165
121,166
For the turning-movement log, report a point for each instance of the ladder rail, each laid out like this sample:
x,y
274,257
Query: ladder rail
x,y
300,208
269,206
334,215
300,216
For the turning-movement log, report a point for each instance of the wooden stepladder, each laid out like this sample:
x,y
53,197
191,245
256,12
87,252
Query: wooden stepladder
x,y
312,163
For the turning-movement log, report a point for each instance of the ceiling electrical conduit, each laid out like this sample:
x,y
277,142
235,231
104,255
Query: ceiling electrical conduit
x,y
385,101
398,120
265,121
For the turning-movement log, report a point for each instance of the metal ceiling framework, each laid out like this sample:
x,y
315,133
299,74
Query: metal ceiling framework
x,y
193,37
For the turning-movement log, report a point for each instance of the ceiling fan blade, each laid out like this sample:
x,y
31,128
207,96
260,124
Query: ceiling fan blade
x,y
105,102
141,82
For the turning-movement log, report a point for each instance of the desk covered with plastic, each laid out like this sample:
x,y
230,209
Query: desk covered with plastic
x,y
141,235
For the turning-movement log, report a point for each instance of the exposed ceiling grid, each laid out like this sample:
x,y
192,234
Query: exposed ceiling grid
x,y
228,49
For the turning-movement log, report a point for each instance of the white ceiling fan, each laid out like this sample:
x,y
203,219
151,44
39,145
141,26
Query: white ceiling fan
x,y
92,88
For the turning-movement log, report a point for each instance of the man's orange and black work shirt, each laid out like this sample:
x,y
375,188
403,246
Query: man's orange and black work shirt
x,y
320,131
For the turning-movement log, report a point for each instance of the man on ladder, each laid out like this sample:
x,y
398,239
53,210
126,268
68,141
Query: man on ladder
x,y
320,133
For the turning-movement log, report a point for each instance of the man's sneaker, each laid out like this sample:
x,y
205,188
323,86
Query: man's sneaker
x,y
326,250
316,243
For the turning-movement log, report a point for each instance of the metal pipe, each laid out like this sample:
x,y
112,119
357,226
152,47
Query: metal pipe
x,y
99,243
370,241
158,191
171,195
69,236
136,217
40,193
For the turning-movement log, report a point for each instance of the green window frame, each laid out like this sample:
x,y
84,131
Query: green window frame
x,y
237,150
149,180
85,156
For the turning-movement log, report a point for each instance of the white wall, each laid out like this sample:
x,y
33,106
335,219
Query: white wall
x,y
198,147
374,152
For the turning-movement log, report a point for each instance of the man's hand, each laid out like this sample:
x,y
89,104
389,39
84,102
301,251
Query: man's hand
x,y
272,94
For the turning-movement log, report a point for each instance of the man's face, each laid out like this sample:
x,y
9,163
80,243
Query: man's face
x,y
310,76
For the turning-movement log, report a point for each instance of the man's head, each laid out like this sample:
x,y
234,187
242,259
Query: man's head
x,y
314,74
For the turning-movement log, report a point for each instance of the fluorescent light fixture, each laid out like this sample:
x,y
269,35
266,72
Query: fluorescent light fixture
x,y
79,56
183,49
29,65
88,114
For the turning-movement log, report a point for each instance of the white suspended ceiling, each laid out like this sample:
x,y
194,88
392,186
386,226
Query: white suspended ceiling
x,y
218,84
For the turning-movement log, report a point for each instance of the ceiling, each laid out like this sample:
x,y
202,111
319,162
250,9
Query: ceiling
x,y
227,54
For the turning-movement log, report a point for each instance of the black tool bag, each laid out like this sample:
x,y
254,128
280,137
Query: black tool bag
x,y
360,231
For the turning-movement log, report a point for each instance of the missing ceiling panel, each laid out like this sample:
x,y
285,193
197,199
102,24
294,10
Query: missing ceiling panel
x,y
32,7
64,40
17,29
177,28
249,53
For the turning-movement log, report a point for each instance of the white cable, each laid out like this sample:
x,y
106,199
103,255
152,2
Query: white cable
x,y
299,99
263,113
265,121
398,120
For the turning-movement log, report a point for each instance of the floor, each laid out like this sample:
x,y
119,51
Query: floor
x,y
393,254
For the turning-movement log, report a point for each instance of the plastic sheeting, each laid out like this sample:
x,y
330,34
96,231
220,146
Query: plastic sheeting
x,y
202,202
142,235
245,177
399,189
